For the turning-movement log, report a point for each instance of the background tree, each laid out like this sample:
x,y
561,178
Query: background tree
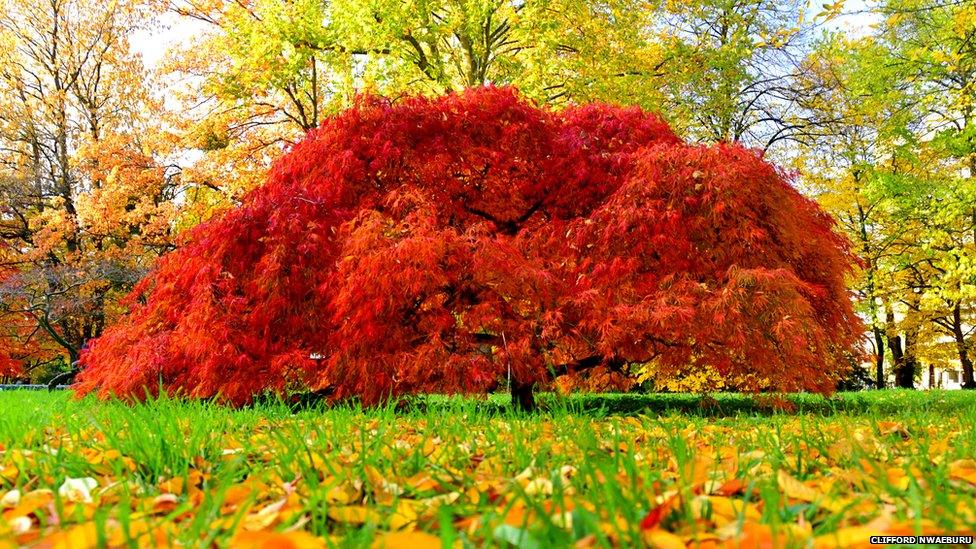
x,y
902,105
735,67
85,201
266,72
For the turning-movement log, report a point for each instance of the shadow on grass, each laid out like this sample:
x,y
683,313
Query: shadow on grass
x,y
886,402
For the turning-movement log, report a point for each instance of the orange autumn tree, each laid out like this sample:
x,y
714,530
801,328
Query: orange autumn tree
x,y
446,244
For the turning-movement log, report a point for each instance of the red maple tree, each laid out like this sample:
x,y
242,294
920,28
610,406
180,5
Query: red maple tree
x,y
445,244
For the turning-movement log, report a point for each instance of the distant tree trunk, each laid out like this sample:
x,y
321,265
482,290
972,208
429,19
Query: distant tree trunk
x,y
897,354
931,376
522,397
906,365
894,343
962,349
879,379
873,308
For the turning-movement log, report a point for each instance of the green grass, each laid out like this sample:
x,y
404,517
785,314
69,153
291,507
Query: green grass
x,y
624,453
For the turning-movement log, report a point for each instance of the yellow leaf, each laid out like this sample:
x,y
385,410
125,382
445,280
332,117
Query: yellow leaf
x,y
29,503
343,494
662,539
276,540
83,536
898,478
236,495
723,510
893,428
963,469
845,538
407,540
421,482
265,517
406,514
795,489
353,514
9,473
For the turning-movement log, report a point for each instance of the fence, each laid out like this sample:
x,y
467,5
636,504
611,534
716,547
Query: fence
x,y
14,387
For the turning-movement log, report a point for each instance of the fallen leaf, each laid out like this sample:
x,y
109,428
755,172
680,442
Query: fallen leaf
x,y
265,517
662,539
407,540
78,490
10,499
353,514
276,540
963,469
29,503
82,536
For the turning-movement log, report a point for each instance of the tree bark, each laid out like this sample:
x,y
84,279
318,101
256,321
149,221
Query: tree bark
x,y
962,348
522,397
902,353
879,378
907,368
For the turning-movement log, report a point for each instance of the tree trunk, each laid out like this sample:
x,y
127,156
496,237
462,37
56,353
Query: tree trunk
x,y
898,357
931,376
522,397
962,349
904,362
907,368
879,379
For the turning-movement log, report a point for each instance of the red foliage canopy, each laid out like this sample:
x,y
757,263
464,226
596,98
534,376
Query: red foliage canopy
x,y
433,244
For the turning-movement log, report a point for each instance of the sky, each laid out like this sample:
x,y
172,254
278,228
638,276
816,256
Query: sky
x,y
169,31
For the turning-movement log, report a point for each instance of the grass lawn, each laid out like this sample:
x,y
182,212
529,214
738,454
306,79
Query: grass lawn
x,y
657,470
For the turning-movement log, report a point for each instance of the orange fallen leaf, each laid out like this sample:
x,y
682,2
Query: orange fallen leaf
x,y
662,539
761,536
29,503
421,482
731,487
963,469
722,510
658,513
893,428
235,495
794,489
173,485
82,536
407,540
276,540
265,517
9,473
163,504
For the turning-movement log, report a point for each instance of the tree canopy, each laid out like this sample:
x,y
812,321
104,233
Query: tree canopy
x,y
444,244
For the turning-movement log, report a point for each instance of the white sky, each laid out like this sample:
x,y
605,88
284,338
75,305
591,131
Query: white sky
x,y
169,31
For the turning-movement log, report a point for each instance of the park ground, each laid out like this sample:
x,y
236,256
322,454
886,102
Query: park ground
x,y
591,471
